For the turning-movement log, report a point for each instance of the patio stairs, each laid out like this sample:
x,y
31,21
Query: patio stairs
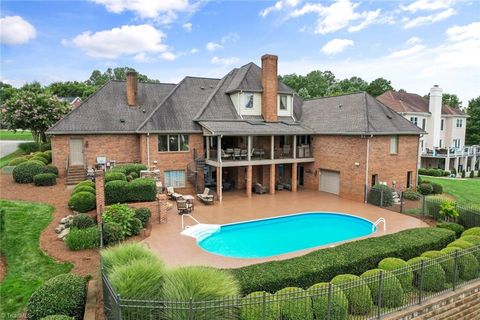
x,y
75,174
193,168
200,231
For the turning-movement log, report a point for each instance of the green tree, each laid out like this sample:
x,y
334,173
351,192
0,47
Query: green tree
x,y
379,86
452,100
354,84
317,83
71,89
32,111
34,86
6,91
303,92
472,135
97,78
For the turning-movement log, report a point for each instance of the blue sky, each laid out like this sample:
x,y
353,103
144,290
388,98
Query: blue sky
x,y
414,43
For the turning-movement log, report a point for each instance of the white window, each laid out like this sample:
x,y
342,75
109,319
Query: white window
x,y
172,142
441,125
283,102
248,100
459,123
456,143
393,144
414,120
424,123
440,143
175,178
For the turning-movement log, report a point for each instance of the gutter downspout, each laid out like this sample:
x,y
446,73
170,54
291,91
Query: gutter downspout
x,y
366,167
148,150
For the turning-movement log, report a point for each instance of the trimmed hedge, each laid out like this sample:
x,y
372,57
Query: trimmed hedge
x,y
86,183
40,158
136,226
252,307
45,179
358,293
84,189
320,302
472,239
294,304
28,147
116,191
114,175
138,190
82,201
144,215
17,161
425,188
401,269
433,172
24,172
60,295
83,221
79,239
410,194
433,276
375,195
437,188
448,266
468,266
128,168
51,169
112,233
472,232
457,228
392,291
354,257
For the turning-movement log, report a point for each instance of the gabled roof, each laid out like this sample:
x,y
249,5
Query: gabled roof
x,y
107,111
357,113
249,78
412,102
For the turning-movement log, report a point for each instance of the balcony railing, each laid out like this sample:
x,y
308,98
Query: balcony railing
x,y
452,152
241,154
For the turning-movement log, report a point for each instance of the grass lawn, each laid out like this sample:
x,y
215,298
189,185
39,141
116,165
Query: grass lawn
x,y
464,191
27,266
6,159
19,135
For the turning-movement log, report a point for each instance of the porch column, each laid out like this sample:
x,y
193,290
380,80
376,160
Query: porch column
x,y
294,177
207,153
294,147
249,148
474,160
248,185
219,184
465,164
271,187
272,147
456,164
447,163
219,149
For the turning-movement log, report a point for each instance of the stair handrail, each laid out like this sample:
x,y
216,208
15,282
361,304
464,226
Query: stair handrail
x,y
380,220
191,217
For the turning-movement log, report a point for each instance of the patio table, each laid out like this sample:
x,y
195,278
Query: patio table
x,y
189,199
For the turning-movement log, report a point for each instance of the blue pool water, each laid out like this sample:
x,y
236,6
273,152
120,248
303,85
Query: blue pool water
x,y
270,237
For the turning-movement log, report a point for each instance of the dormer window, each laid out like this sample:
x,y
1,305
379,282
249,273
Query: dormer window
x,y
248,100
283,102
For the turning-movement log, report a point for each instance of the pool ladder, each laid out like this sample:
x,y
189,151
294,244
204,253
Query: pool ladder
x,y
380,220
191,217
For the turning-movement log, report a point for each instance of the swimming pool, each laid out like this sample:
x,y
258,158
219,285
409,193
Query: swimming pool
x,y
279,235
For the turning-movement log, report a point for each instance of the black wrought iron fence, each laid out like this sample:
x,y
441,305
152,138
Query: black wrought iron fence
x,y
373,295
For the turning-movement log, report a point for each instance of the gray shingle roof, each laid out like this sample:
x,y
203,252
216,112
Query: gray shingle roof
x,y
357,113
104,111
241,127
177,111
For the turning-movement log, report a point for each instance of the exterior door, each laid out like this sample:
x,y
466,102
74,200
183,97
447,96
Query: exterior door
x,y
76,152
329,181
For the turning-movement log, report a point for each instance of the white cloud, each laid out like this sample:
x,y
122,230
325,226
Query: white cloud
x,y
212,46
141,58
279,5
413,41
126,40
336,46
169,56
231,37
194,50
188,26
339,15
427,5
164,11
224,61
16,30
461,33
414,45
423,20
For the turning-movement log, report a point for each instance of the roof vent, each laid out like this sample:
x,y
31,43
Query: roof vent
x,y
122,120
211,86
144,111
203,88
340,105
389,116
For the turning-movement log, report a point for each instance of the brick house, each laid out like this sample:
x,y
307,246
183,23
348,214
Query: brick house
x,y
242,129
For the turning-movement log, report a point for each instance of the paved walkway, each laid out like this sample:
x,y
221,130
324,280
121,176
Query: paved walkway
x,y
175,249
8,146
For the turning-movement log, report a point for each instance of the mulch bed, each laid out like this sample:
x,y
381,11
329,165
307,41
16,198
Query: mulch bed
x,y
3,267
84,261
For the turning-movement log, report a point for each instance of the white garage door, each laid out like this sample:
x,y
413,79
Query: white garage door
x,y
330,181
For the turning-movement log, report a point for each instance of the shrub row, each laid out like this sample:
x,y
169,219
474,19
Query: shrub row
x,y
433,172
350,258
457,228
138,190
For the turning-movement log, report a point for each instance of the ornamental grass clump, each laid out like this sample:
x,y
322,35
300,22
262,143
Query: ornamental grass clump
x,y
252,307
200,284
401,269
427,274
125,253
357,292
335,305
294,304
392,291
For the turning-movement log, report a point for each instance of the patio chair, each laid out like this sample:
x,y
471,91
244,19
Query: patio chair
x,y
259,189
285,151
243,154
172,195
183,206
226,155
236,153
205,197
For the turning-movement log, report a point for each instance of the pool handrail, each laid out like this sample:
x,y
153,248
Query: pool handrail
x,y
380,220
191,217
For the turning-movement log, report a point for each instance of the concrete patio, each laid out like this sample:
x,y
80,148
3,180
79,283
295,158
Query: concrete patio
x,y
176,249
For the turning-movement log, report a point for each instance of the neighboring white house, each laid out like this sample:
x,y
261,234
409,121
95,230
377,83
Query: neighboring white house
x,y
444,144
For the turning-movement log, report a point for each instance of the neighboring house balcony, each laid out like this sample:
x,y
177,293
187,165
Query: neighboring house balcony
x,y
234,151
466,151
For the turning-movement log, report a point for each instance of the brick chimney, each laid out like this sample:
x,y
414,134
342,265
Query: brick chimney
x,y
132,80
270,87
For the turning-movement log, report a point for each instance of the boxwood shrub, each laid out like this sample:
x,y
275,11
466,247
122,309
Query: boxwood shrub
x,y
447,265
136,226
401,269
357,292
437,188
144,215
87,183
128,168
472,239
46,147
84,189
112,233
252,307
17,161
24,172
45,179
375,195
320,302
433,277
83,221
51,169
60,295
28,147
294,304
410,194
116,191
392,291
472,232
40,158
457,228
82,201
468,266
114,175
142,189
354,257
425,188
79,239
